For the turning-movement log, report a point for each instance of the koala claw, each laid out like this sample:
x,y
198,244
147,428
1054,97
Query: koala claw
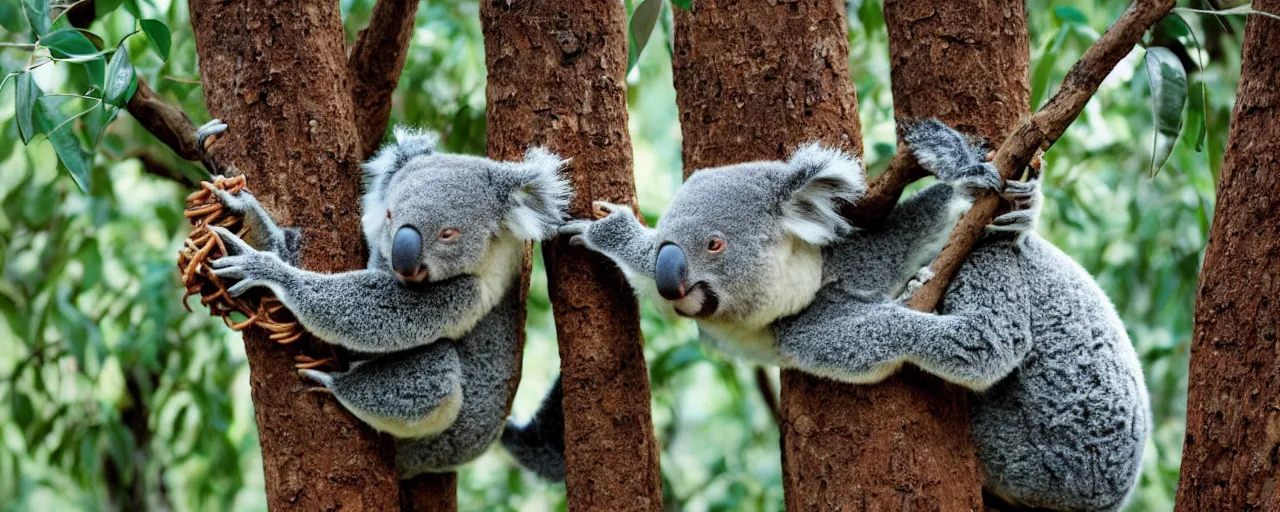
x,y
207,130
235,245
916,283
1017,221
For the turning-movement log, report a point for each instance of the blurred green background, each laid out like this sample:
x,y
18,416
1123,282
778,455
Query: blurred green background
x,y
113,396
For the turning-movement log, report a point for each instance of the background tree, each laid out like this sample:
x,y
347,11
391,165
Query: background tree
x,y
70,335
1233,441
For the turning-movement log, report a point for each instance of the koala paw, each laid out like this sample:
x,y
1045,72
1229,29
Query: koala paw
x,y
209,130
976,179
251,267
238,203
916,283
613,225
1025,198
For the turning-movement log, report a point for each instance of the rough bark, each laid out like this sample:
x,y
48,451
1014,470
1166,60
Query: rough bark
x,y
375,64
276,74
430,492
904,443
753,81
557,78
1232,448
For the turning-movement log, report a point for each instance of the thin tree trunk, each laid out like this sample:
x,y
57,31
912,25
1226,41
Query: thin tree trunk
x,y
753,81
277,75
376,61
1232,451
557,78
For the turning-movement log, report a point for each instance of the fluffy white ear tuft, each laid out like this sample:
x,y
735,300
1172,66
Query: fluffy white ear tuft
x,y
539,197
820,180
408,142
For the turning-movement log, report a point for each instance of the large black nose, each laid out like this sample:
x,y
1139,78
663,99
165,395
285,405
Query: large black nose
x,y
671,272
406,252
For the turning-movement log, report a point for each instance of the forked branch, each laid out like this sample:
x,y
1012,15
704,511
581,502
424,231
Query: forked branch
x,y
1038,133
375,64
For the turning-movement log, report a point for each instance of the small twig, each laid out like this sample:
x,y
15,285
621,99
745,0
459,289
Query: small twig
x,y
168,123
1039,133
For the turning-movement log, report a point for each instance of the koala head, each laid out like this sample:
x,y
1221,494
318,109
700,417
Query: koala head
x,y
743,242
433,216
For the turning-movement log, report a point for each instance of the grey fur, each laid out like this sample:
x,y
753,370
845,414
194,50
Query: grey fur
x,y
1060,411
440,353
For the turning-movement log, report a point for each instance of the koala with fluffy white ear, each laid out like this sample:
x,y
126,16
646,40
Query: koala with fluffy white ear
x,y
1060,410
435,312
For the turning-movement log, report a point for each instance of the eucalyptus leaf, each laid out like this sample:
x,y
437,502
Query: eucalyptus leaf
x,y
1168,98
11,16
72,156
159,36
37,12
27,97
22,409
1069,15
122,79
1043,72
683,4
69,43
641,26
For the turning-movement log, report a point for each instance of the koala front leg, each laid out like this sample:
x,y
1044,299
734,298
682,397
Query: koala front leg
x,y
620,237
363,310
1026,199
983,335
262,231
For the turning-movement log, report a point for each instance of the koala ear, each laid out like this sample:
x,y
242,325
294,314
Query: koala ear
x,y
408,143
819,180
539,197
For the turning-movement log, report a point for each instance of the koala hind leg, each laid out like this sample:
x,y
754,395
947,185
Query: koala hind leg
x,y
413,393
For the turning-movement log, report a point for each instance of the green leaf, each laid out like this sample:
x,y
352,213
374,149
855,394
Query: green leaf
x,y
69,43
683,4
96,122
76,160
1044,67
159,35
90,256
1070,15
641,27
28,94
1168,97
101,8
11,16
122,80
37,12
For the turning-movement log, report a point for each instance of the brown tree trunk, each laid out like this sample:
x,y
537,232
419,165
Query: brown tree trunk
x,y
277,75
903,443
1232,452
557,78
375,63
965,63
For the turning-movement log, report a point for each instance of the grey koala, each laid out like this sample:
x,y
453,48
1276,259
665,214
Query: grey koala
x,y
757,254
434,314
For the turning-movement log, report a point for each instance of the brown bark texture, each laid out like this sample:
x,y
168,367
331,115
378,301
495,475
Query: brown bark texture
x,y
430,492
1232,451
375,64
904,443
557,78
277,75
166,122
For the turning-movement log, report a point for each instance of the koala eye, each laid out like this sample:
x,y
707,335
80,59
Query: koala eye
x,y
448,234
715,246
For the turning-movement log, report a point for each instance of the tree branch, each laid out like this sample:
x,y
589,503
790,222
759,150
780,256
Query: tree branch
x,y
1038,133
885,190
168,123
375,64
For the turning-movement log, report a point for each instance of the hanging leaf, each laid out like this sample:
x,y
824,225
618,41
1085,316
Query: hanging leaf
x,y
69,43
1168,97
28,94
11,16
95,123
122,80
37,12
1044,67
1070,15
641,27
72,156
159,35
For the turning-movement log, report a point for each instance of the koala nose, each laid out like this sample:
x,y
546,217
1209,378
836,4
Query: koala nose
x,y
406,253
671,272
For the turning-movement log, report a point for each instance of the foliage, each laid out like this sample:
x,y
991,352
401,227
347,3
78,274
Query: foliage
x,y
114,396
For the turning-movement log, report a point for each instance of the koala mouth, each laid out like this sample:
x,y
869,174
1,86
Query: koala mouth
x,y
417,276
699,302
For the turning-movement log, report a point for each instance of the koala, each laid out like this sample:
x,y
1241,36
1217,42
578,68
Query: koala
x,y
433,319
757,254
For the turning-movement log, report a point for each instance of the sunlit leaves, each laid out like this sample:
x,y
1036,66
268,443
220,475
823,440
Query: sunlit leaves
x,y
27,95
37,12
159,36
70,45
641,26
1168,82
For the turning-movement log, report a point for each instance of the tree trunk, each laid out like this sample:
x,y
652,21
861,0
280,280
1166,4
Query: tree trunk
x,y
903,443
1232,449
277,75
965,63
753,81
557,78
